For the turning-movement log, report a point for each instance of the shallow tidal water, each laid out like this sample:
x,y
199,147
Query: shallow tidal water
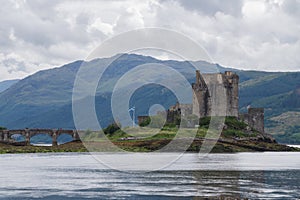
x,y
272,175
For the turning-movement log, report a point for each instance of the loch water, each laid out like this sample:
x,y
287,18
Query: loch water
x,y
270,175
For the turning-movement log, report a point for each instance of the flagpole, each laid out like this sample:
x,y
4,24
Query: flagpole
x,y
133,116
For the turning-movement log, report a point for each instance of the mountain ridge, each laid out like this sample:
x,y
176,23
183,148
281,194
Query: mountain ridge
x,y
44,99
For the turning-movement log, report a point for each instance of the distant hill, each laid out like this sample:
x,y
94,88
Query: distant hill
x,y
279,94
4,85
44,98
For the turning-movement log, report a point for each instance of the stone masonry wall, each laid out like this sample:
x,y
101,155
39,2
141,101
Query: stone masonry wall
x,y
216,94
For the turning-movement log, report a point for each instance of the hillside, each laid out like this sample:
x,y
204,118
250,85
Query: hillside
x,y
279,94
44,99
4,85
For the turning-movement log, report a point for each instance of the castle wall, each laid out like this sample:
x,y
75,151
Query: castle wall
x,y
184,109
254,118
232,85
201,98
173,116
216,94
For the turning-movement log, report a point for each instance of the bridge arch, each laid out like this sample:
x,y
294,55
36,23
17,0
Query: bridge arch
x,y
40,138
63,138
17,137
10,134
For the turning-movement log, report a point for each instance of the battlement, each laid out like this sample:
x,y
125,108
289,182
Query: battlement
x,y
229,73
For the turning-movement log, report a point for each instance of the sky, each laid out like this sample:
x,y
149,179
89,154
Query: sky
x,y
243,34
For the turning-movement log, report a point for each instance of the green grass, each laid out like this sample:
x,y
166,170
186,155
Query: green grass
x,y
292,136
233,123
68,147
145,139
234,128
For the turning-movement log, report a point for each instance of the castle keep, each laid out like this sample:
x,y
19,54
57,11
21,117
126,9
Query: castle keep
x,y
218,90
216,95
213,95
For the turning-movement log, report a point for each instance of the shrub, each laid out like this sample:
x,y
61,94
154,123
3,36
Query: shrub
x,y
204,122
146,122
170,127
234,123
111,129
232,133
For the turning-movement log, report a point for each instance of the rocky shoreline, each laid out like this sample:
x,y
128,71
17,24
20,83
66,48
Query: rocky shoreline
x,y
150,145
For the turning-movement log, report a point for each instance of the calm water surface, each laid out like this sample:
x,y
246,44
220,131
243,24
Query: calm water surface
x,y
80,176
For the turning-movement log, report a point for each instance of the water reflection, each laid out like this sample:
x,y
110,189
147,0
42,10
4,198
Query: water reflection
x,y
79,176
245,184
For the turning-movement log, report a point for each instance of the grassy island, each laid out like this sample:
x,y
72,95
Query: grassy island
x,y
235,137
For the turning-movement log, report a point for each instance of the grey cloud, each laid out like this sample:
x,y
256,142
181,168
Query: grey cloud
x,y
82,19
52,33
211,7
15,66
40,25
292,7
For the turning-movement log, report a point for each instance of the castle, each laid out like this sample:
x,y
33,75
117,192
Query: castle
x,y
217,95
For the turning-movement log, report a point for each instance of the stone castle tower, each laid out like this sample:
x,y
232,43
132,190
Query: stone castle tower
x,y
220,91
201,99
254,118
215,95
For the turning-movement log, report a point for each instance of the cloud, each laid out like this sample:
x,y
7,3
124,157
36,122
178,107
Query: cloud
x,y
260,35
246,34
232,7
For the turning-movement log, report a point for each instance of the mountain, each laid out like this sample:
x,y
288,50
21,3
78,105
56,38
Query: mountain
x,y
4,85
44,99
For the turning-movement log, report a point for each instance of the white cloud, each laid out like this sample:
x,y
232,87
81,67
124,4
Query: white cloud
x,y
247,34
105,28
254,9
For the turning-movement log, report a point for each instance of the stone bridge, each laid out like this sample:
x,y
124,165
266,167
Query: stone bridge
x,y
5,135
